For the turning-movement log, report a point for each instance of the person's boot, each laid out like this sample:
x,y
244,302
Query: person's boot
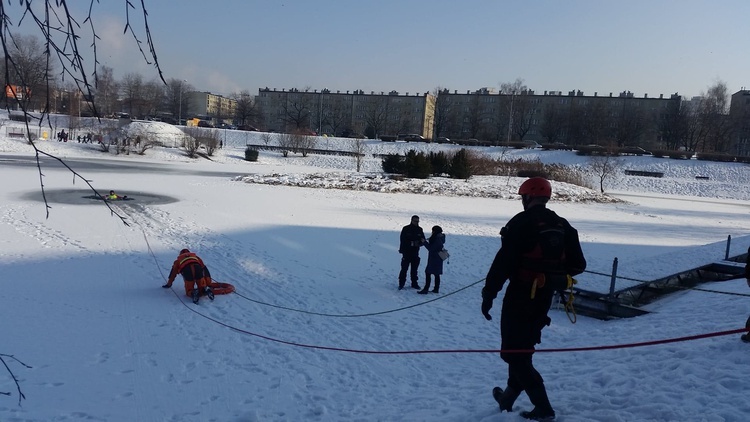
x,y
415,285
505,398
542,408
437,285
209,293
195,295
426,287
745,338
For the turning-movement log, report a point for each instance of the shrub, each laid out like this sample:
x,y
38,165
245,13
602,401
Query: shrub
x,y
394,163
480,164
251,154
460,165
724,158
440,163
417,165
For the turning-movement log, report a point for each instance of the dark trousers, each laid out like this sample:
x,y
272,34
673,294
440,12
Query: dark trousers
x,y
406,262
521,372
427,281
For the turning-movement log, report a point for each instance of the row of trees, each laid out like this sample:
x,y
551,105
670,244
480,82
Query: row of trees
x,y
38,89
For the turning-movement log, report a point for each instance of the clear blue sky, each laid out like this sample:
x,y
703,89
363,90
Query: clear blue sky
x,y
645,46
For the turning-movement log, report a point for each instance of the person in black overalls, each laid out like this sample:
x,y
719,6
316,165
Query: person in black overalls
x,y
746,337
539,251
412,238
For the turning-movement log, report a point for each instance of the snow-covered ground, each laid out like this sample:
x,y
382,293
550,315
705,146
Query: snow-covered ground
x,y
317,330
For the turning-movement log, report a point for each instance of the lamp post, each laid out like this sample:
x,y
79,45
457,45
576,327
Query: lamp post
x,y
179,115
510,116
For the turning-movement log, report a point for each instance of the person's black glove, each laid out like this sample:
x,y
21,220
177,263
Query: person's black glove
x,y
166,286
487,304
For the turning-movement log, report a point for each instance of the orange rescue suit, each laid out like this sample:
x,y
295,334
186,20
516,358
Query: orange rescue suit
x,y
193,271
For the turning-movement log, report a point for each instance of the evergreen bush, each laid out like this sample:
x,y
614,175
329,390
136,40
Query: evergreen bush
x,y
439,162
417,165
251,154
460,167
394,164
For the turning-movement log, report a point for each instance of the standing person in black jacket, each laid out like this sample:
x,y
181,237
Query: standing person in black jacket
x,y
412,238
746,337
539,251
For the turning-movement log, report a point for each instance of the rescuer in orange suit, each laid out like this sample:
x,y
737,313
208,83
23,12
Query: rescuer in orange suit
x,y
193,272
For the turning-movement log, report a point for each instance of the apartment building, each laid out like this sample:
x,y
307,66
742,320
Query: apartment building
x,y
346,113
573,118
205,105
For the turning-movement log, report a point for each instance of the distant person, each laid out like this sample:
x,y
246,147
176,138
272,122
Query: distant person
x,y
113,196
194,273
434,262
746,337
412,238
539,251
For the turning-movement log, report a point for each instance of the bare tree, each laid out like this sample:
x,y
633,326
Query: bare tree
x,y
144,143
132,90
338,116
474,116
511,92
247,111
190,144
672,124
208,138
266,137
553,123
26,78
304,143
630,124
605,167
714,117
296,111
154,97
443,111
359,148
176,100
376,113
106,91
596,123
287,142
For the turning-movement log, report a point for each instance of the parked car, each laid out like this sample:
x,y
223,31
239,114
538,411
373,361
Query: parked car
x,y
414,137
204,123
442,140
247,128
631,150
531,144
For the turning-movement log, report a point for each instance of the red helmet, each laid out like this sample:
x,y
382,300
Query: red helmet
x,y
536,187
184,251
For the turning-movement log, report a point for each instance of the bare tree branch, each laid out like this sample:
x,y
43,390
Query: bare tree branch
x,y
59,29
12,375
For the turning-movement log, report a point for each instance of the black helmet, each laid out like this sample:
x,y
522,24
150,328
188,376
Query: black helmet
x,y
184,251
437,229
